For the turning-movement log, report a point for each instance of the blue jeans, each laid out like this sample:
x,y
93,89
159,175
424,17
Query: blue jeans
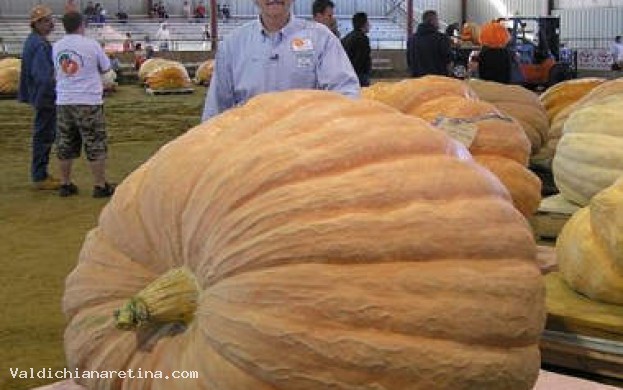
x,y
42,140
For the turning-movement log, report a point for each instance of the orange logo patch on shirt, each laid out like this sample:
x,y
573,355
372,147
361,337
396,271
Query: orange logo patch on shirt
x,y
302,44
69,63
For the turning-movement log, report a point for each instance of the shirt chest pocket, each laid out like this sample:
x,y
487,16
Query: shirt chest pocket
x,y
303,71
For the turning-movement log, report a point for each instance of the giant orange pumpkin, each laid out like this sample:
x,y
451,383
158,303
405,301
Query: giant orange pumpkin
x,y
324,243
494,35
519,103
410,93
500,145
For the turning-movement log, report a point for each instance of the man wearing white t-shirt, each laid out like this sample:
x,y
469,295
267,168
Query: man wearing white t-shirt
x,y
616,49
79,61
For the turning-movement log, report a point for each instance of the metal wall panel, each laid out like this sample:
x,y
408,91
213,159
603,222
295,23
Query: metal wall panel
x,y
481,11
590,28
573,4
16,8
449,10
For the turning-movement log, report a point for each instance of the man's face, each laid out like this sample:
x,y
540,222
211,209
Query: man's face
x,y
326,17
44,26
274,8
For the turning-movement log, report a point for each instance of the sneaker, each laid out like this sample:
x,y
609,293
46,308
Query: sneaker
x,y
49,183
66,190
104,192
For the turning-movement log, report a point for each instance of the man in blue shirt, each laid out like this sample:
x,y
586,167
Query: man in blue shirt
x,y
37,89
277,52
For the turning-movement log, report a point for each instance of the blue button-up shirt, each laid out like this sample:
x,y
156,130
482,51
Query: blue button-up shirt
x,y
302,55
36,84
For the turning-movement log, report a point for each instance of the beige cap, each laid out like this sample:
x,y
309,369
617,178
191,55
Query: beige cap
x,y
39,12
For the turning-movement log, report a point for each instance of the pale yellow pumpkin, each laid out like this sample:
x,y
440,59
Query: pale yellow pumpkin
x,y
203,75
519,103
597,93
9,80
563,94
590,247
10,63
155,64
334,243
168,77
589,156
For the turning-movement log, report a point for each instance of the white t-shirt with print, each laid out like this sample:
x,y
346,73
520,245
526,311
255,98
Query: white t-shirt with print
x,y
79,61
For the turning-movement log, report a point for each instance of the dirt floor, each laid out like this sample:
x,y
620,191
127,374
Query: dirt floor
x,y
42,233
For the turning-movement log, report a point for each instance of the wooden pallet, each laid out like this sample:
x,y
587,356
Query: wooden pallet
x,y
581,334
177,91
552,214
584,353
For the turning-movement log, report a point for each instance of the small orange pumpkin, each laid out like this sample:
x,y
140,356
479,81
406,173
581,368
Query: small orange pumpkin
x,y
494,35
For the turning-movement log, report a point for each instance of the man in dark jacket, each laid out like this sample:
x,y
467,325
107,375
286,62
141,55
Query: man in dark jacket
x,y
428,50
357,47
37,89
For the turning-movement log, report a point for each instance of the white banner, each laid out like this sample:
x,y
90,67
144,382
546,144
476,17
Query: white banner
x,y
597,59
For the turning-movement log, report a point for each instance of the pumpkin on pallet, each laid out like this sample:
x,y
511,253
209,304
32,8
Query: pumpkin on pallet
x,y
168,78
10,69
203,75
589,156
590,247
519,103
307,247
155,64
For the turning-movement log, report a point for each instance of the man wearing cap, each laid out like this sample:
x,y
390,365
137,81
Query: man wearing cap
x,y
37,89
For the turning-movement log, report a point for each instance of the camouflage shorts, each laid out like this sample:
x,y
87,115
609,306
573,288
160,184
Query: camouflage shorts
x,y
77,124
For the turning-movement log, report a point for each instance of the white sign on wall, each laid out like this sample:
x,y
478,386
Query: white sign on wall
x,y
596,59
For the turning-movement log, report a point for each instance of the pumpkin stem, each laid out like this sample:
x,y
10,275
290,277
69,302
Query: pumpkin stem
x,y
171,298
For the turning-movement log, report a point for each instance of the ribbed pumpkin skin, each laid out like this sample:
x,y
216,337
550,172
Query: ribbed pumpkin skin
x,y
155,64
495,136
589,156
596,94
338,245
409,94
519,103
169,77
502,144
523,185
563,94
590,247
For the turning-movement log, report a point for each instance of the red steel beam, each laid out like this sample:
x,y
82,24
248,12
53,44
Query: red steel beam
x,y
214,24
